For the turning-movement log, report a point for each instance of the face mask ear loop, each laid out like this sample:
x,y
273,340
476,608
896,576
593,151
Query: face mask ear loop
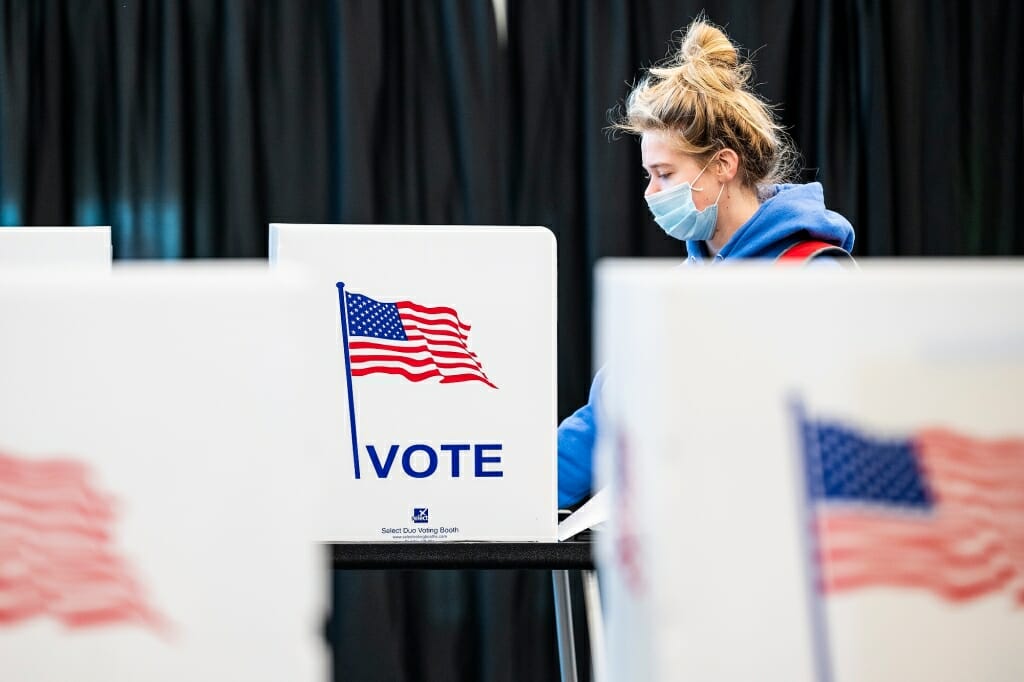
x,y
701,189
715,230
719,195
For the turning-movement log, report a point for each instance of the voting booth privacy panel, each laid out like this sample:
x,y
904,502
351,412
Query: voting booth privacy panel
x,y
438,346
155,469
816,475
78,247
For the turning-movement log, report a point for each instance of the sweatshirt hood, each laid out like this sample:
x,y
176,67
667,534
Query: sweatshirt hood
x,y
791,214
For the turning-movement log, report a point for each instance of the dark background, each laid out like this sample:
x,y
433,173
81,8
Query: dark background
x,y
189,126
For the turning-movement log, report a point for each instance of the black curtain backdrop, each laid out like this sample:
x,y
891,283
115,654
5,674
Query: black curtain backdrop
x,y
189,126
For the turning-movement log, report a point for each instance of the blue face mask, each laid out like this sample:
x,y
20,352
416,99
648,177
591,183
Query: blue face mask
x,y
676,213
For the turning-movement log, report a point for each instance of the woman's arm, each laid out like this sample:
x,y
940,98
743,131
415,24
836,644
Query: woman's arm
x,y
576,437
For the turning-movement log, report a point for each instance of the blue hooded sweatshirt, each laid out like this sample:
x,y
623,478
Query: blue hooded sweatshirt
x,y
791,214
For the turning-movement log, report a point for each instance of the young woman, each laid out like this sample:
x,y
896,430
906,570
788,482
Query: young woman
x,y
717,159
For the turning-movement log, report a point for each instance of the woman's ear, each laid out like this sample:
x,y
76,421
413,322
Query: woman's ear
x,y
727,165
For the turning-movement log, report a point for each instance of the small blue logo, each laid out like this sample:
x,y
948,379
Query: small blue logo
x,y
420,515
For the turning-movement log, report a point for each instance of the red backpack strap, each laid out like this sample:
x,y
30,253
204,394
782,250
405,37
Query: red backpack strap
x,y
809,250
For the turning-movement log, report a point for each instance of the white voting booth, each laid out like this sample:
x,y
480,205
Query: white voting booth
x,y
155,469
815,475
78,247
437,345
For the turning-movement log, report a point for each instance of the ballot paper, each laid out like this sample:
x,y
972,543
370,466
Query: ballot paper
x,y
591,514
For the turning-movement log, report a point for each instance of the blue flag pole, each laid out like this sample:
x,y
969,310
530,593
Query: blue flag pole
x,y
348,377
808,449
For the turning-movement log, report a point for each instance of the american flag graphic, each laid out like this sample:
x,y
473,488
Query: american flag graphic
x,y
936,511
56,553
411,340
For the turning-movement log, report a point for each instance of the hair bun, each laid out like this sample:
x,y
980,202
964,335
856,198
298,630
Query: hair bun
x,y
706,61
706,43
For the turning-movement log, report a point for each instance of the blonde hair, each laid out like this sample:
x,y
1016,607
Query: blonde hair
x,y
701,94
